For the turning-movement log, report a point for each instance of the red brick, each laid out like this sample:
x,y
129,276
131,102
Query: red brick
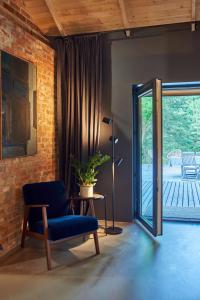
x,y
14,173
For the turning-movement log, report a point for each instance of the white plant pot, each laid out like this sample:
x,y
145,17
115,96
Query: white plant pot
x,y
86,191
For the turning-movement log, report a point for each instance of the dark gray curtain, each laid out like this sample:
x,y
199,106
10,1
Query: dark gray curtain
x,y
79,91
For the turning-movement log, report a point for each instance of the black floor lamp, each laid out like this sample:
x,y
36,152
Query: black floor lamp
x,y
115,163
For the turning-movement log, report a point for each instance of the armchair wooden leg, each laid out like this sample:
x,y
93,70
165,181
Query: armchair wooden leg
x,y
25,222
96,242
47,245
48,254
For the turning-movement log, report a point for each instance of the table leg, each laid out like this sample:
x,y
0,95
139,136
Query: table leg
x,y
91,203
81,207
71,207
105,216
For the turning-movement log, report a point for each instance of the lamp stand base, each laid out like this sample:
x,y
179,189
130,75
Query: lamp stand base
x,y
113,230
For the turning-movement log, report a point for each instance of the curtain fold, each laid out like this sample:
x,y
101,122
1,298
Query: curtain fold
x,y
79,92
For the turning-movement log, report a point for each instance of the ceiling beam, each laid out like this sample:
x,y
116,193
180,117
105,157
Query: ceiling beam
x,y
124,14
193,16
193,10
55,17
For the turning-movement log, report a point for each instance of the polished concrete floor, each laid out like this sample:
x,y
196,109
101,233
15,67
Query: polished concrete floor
x,y
132,266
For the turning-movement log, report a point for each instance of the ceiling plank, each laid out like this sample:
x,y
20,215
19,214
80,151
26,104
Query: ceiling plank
x,y
124,14
55,17
87,16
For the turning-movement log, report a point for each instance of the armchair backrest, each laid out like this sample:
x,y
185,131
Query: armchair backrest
x,y
52,193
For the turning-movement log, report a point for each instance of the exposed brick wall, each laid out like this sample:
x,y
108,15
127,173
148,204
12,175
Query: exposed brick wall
x,y
18,6
14,173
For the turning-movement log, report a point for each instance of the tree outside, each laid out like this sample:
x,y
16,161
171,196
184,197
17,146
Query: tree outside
x,y
181,125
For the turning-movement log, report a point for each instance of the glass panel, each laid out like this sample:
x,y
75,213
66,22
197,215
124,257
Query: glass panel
x,y
181,156
146,158
147,112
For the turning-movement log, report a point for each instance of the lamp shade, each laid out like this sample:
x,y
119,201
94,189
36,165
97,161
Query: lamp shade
x,y
107,120
114,139
118,161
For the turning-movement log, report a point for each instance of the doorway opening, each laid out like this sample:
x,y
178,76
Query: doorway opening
x,y
181,156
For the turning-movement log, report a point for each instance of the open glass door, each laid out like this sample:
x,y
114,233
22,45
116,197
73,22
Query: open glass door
x,y
147,160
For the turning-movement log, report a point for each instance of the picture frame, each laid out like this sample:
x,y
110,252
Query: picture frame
x,y
18,107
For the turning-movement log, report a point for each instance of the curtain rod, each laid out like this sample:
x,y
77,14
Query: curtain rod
x,y
151,32
76,36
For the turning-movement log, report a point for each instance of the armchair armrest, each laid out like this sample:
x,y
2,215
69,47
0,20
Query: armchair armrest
x,y
44,214
26,216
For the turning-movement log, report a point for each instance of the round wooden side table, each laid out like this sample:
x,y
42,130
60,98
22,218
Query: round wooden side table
x,y
90,201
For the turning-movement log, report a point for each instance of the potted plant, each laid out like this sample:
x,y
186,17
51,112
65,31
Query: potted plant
x,y
86,173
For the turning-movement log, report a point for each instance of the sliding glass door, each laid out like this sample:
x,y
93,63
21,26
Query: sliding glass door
x,y
147,159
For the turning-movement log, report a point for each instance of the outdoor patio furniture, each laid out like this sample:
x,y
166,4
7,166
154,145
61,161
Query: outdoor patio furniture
x,y
174,157
197,158
189,167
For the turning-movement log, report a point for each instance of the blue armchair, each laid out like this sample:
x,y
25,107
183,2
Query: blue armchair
x,y
46,217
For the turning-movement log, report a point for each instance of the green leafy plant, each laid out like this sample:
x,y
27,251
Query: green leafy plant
x,y
86,172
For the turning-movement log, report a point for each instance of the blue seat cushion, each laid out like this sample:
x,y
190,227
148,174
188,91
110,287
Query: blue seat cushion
x,y
66,226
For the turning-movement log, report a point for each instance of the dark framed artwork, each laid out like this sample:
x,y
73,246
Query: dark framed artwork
x,y
18,107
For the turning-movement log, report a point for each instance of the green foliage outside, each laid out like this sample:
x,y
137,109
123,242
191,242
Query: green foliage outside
x,y
86,172
181,125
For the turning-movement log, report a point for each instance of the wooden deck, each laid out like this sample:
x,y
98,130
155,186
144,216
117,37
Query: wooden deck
x,y
176,194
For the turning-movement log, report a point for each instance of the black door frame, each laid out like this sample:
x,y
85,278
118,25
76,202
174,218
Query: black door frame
x,y
177,88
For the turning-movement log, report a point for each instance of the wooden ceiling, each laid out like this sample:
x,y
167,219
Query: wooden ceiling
x,y
68,17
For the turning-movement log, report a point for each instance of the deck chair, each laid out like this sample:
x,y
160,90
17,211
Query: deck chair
x,y
174,157
46,218
189,167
